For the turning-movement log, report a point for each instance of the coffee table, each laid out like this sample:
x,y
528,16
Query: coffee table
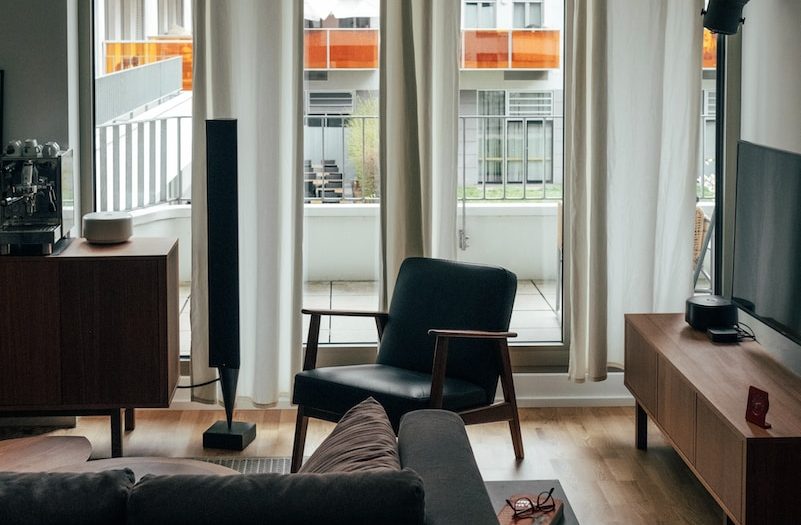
x,y
147,465
500,490
42,453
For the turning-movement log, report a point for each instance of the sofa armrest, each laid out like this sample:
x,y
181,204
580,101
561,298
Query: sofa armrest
x,y
434,444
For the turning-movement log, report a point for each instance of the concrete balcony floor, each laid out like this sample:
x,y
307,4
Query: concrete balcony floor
x,y
534,316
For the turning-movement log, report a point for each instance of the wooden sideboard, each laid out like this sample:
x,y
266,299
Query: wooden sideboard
x,y
90,329
696,392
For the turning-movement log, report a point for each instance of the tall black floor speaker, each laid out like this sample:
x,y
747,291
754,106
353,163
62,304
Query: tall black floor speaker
x,y
223,288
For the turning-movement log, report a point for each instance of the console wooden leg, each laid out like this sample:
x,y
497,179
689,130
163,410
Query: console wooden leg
x,y
727,520
641,419
130,419
116,433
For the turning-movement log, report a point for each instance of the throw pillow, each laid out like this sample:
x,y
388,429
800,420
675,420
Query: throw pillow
x,y
362,441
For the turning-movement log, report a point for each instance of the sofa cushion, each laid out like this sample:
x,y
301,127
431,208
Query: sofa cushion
x,y
387,497
65,498
362,441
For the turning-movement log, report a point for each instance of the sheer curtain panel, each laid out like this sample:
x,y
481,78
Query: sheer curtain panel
x,y
632,97
248,65
419,93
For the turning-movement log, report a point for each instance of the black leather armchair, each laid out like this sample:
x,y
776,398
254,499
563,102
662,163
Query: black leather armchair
x,y
443,344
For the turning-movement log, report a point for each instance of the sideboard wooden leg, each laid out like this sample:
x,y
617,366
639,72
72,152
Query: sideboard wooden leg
x,y
130,419
641,419
116,433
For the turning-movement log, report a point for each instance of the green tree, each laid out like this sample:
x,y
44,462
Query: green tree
x,y
362,146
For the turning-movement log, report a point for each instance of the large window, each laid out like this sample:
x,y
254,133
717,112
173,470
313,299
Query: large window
x,y
514,133
511,155
143,120
340,169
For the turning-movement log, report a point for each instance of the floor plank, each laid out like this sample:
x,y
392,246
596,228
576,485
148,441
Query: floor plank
x,y
590,450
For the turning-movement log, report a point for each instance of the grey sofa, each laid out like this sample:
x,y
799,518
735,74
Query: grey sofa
x,y
440,484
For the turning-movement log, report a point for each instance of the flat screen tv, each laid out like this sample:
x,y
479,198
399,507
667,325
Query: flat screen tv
x,y
766,282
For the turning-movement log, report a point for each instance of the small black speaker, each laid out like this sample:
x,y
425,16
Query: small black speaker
x,y
724,16
710,311
223,291
223,243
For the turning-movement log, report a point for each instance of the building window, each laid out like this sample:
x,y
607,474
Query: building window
x,y
325,104
527,14
491,104
479,15
515,136
358,22
538,103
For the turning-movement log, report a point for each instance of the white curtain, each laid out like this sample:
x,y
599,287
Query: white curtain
x,y
632,96
248,65
419,86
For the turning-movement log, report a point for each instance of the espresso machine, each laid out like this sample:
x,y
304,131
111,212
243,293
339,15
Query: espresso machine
x,y
34,215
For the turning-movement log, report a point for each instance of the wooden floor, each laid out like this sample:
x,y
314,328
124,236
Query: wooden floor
x,y
590,450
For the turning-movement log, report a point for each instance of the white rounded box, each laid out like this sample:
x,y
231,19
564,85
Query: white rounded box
x,y
107,227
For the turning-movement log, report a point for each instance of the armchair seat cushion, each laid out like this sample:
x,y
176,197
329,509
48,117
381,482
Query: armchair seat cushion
x,y
337,389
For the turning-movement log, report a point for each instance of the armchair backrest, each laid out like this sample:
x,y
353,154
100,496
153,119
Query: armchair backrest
x,y
434,293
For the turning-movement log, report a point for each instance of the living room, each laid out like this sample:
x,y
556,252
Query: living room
x,y
541,137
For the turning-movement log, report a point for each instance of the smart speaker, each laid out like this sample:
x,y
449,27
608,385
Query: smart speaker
x,y
710,311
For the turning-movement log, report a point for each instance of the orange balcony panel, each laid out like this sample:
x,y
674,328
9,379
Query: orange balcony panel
x,y
710,53
538,49
125,55
353,49
315,55
486,49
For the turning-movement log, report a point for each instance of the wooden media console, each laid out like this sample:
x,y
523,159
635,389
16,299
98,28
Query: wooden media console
x,y
696,392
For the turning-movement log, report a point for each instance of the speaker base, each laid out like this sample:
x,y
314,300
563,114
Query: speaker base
x,y
237,438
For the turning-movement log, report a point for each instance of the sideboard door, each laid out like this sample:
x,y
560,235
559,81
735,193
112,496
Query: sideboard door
x,y
113,332
30,353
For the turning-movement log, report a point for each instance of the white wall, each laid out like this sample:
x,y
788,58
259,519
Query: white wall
x,y
519,237
771,74
35,41
341,242
771,107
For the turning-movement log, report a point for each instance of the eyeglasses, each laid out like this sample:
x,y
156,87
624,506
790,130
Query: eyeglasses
x,y
525,507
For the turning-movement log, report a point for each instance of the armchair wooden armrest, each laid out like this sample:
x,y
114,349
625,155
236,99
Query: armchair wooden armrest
x,y
471,334
345,313
441,355
313,340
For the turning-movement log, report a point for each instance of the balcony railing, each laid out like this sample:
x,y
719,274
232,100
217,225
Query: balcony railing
x,y
537,49
132,53
340,49
120,94
143,163
534,49
510,158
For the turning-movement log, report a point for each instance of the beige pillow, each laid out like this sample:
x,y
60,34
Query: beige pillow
x,y
362,441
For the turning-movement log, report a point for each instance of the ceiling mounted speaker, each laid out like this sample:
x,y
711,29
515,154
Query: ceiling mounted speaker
x,y
724,16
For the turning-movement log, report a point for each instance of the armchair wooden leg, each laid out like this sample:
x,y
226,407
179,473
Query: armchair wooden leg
x,y
508,387
517,437
301,424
